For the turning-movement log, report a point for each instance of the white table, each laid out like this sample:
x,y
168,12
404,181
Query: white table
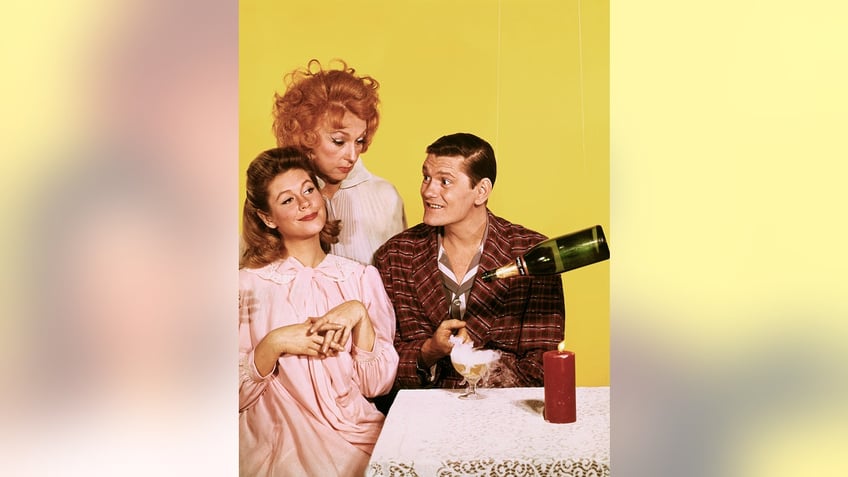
x,y
431,432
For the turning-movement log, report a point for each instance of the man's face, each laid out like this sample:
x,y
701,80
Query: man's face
x,y
446,190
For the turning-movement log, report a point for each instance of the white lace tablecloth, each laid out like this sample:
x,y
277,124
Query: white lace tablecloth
x,y
431,432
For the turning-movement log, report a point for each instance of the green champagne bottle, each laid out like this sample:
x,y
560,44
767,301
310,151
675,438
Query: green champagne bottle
x,y
557,255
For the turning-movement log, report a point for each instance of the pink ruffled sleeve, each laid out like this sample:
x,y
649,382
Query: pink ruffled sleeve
x,y
251,383
376,369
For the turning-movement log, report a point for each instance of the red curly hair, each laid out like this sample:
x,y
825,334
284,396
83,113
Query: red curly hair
x,y
313,93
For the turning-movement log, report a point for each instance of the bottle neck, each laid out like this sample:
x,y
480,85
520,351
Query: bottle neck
x,y
511,270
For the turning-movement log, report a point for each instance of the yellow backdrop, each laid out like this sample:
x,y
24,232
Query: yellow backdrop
x,y
530,77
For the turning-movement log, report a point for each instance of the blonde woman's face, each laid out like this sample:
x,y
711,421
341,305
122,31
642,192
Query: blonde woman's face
x,y
338,148
296,206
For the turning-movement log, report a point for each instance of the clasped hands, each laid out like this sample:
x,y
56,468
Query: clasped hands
x,y
328,334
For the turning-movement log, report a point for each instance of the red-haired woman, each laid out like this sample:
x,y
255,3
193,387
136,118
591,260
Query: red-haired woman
x,y
332,115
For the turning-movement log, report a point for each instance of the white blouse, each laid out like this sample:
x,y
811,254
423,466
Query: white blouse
x,y
371,211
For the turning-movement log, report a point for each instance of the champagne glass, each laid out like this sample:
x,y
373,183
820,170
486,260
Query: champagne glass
x,y
473,373
472,364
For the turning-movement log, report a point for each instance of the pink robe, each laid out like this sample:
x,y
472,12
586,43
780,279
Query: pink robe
x,y
309,416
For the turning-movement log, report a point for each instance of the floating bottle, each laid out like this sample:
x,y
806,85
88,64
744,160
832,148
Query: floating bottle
x,y
557,255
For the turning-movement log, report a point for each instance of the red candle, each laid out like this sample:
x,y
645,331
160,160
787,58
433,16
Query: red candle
x,y
560,403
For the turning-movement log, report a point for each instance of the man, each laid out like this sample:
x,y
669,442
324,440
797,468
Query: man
x,y
431,273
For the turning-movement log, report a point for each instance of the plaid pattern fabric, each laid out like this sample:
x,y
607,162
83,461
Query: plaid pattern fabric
x,y
522,316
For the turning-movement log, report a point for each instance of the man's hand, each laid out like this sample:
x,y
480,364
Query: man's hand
x,y
439,345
